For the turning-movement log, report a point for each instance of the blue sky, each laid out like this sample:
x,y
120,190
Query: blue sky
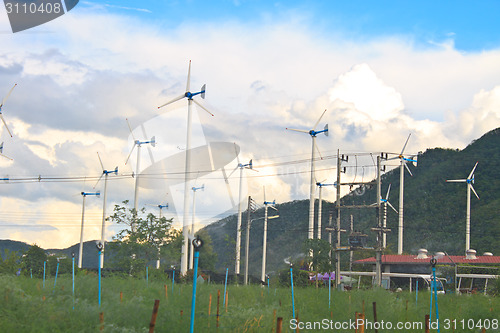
x,y
381,69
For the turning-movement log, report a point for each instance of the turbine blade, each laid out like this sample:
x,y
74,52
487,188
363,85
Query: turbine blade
x,y
102,166
225,178
201,106
297,130
172,101
153,143
130,129
8,94
394,209
131,150
472,172
472,188
228,186
316,125
102,174
7,127
189,77
388,190
402,150
456,180
406,166
236,153
317,149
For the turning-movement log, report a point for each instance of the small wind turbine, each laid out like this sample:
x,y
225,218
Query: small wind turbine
x,y
241,166
386,203
320,204
469,181
313,134
160,206
1,105
137,143
264,241
189,95
1,152
191,248
402,166
80,251
105,173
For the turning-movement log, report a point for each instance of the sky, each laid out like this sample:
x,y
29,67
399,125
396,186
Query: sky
x,y
381,70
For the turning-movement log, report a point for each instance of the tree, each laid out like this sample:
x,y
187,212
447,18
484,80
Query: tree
x,y
141,240
320,259
9,262
33,259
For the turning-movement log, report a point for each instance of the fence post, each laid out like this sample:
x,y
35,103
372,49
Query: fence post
x,y
152,323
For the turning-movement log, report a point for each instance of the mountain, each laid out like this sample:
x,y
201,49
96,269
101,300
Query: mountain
x,y
434,211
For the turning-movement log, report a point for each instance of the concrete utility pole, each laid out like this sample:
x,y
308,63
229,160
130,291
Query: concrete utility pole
x,y
378,253
250,209
337,205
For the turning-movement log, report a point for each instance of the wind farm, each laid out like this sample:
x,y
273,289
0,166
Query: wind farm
x,y
173,212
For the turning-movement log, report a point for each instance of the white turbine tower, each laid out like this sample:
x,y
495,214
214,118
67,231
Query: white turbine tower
x,y
313,134
105,173
137,143
469,181
1,105
402,168
191,247
241,166
320,204
187,173
80,250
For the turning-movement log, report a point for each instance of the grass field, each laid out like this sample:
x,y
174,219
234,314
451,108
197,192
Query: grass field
x,y
29,307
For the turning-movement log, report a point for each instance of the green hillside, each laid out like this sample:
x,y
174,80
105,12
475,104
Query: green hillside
x,y
434,211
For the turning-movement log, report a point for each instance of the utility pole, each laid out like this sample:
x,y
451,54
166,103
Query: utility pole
x,y
337,205
250,209
378,253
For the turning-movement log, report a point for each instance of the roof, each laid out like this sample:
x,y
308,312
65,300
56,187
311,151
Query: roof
x,y
406,259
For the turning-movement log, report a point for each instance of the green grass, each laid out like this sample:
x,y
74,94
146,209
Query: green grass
x,y
28,307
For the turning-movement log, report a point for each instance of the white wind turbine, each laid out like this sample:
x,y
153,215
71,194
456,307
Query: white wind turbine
x,y
191,247
469,181
137,143
313,134
1,105
386,203
80,250
187,173
105,173
403,166
241,166
320,204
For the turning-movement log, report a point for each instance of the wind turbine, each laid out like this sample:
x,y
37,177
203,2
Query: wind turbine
x,y
469,181
1,105
137,143
189,95
160,206
386,203
191,248
264,240
105,173
320,204
80,251
241,166
313,134
403,166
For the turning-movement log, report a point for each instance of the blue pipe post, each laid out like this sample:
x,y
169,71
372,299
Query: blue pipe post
x,y
31,273
44,264
55,281
435,293
293,301
225,285
173,280
147,276
416,295
197,243
268,284
99,246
